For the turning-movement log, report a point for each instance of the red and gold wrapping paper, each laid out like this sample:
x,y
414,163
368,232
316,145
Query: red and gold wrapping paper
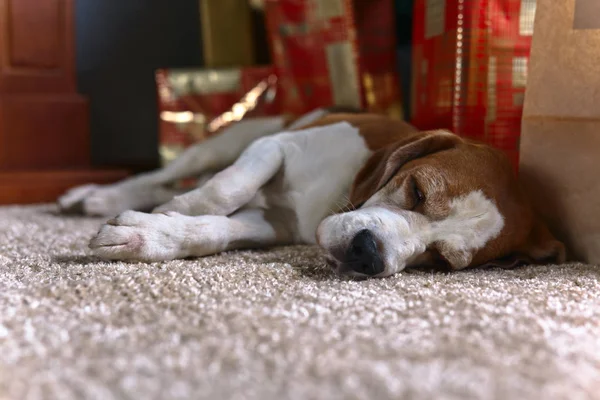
x,y
335,52
470,67
197,103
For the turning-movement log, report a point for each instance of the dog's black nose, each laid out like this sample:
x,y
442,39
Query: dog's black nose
x,y
362,256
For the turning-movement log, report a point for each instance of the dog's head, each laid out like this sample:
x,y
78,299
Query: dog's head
x,y
435,198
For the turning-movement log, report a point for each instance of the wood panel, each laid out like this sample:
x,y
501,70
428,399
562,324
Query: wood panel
x,y
42,131
37,46
46,24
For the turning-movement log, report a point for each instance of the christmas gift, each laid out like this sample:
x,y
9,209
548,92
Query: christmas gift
x,y
335,52
470,68
197,103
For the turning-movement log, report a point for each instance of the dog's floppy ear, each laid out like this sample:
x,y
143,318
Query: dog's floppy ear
x,y
541,247
385,162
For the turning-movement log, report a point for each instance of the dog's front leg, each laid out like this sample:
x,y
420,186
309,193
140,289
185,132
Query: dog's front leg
x,y
157,237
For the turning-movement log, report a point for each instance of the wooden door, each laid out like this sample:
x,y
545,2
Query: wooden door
x,y
44,128
37,47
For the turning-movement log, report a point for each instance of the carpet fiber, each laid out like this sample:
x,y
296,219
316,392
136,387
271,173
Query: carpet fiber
x,y
277,325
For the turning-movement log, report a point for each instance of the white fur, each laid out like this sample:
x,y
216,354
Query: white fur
x,y
473,221
405,235
317,174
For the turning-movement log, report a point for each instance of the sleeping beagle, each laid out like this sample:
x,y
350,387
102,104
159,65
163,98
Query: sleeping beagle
x,y
376,194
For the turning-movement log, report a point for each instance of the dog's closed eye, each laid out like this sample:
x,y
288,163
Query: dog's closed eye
x,y
417,193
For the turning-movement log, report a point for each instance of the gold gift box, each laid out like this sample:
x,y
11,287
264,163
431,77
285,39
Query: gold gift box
x,y
227,33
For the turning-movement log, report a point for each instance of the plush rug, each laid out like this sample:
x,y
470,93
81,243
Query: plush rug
x,y
277,325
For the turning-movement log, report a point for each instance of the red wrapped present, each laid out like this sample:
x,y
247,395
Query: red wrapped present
x,y
470,68
335,52
195,104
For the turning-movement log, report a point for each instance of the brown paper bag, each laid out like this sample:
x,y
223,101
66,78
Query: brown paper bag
x,y
560,143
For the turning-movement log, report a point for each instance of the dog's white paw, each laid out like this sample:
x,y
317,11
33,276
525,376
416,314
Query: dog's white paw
x,y
111,201
140,236
74,197
108,202
97,200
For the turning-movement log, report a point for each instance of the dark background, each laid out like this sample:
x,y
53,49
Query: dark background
x,y
119,46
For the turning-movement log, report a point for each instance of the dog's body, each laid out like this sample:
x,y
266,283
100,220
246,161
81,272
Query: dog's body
x,y
410,198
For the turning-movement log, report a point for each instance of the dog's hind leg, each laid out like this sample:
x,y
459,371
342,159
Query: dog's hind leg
x,y
148,190
234,187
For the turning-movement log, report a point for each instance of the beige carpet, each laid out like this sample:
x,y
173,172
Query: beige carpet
x,y
276,325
